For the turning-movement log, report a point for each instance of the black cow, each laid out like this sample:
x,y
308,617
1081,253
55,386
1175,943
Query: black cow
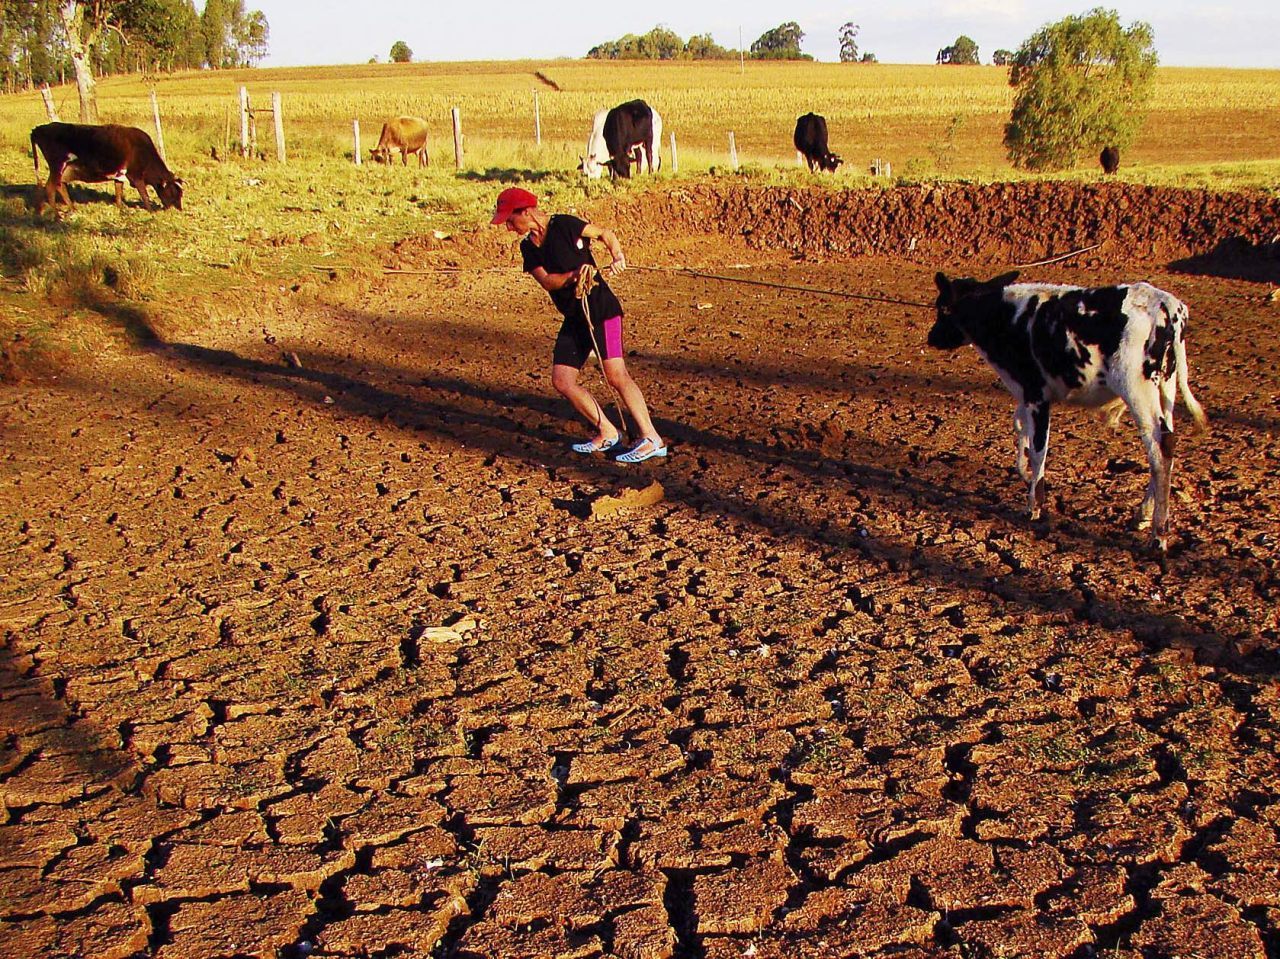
x,y
629,133
96,154
811,140
1050,344
1110,159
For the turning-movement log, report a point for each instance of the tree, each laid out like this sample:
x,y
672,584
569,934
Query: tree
x,y
1081,83
1002,58
963,52
233,37
400,52
780,43
660,43
849,42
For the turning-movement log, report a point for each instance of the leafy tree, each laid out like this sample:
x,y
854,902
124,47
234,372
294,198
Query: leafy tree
x,y
1002,58
250,34
700,46
1081,83
963,52
400,52
660,43
849,42
233,37
780,43
868,58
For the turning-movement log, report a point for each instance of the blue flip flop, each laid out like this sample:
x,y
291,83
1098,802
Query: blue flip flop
x,y
646,449
591,446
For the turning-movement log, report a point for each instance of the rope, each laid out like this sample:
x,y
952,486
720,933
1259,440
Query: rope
x,y
687,271
588,276
1062,256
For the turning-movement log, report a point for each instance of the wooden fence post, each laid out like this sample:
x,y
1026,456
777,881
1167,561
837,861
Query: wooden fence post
x,y
47,95
733,152
355,132
675,157
537,120
226,137
155,113
244,122
457,139
278,117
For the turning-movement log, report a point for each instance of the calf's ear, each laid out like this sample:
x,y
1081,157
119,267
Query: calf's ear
x,y
1004,279
944,285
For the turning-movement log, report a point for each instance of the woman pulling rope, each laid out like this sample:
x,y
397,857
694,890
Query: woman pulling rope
x,y
557,250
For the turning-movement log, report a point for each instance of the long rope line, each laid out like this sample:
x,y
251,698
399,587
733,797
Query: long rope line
x,y
845,294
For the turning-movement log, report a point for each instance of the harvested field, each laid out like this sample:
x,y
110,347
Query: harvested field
x,y
315,645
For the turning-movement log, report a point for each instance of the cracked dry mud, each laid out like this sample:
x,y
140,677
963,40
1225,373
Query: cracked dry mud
x,y
331,657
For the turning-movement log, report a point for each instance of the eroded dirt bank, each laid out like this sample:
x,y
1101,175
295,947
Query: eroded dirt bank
x,y
312,646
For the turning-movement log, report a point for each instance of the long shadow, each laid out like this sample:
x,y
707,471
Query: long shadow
x,y
1235,258
837,376
508,435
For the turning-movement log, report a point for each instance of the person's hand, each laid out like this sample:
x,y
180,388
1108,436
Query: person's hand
x,y
618,265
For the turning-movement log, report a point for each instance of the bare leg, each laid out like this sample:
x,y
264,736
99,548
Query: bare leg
x,y
615,372
565,380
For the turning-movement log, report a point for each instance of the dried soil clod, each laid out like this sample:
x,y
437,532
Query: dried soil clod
x,y
607,505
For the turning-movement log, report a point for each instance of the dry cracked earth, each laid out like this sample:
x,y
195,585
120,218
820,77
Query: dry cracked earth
x,y
317,641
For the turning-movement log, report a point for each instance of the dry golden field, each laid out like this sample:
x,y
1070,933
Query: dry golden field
x,y
926,120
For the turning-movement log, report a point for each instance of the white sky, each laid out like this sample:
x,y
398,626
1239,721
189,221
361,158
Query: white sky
x,y
310,32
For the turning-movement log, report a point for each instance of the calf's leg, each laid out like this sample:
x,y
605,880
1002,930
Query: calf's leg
x,y
1038,421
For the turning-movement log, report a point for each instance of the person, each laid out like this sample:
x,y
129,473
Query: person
x,y
556,249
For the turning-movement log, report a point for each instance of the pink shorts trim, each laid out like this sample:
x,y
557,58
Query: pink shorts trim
x,y
612,337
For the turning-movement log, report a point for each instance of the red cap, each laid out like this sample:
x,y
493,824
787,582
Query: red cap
x,y
512,199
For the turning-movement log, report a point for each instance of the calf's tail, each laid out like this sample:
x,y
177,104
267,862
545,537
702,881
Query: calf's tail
x,y
35,154
1180,364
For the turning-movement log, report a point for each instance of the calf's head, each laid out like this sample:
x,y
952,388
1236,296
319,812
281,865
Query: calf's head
x,y
830,163
170,192
948,332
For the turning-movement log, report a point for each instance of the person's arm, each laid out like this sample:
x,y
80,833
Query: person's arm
x,y
553,281
610,241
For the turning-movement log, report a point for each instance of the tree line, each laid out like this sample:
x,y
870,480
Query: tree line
x,y
51,41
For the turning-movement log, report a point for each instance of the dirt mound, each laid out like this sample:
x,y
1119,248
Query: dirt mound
x,y
1000,223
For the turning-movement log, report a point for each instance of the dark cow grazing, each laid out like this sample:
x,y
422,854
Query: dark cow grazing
x,y
1110,159
1050,344
406,134
811,140
95,154
629,133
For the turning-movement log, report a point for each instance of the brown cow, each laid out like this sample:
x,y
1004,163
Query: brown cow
x,y
406,134
95,154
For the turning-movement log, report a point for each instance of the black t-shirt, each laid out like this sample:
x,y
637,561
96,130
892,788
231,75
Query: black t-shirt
x,y
564,249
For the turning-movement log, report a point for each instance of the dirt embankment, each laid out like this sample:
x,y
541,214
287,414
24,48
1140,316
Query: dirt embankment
x,y
1008,222
1232,234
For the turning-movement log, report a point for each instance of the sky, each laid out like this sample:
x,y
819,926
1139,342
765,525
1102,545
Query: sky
x,y
315,32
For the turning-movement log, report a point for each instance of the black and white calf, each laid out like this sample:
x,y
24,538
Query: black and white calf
x,y
1051,344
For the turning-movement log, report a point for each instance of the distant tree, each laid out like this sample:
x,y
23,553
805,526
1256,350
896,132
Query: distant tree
x,y
400,52
660,43
849,42
233,37
868,58
700,46
1081,83
1002,58
963,52
780,43
250,33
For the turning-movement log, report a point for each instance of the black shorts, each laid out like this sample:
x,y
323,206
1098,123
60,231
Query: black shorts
x,y
574,345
